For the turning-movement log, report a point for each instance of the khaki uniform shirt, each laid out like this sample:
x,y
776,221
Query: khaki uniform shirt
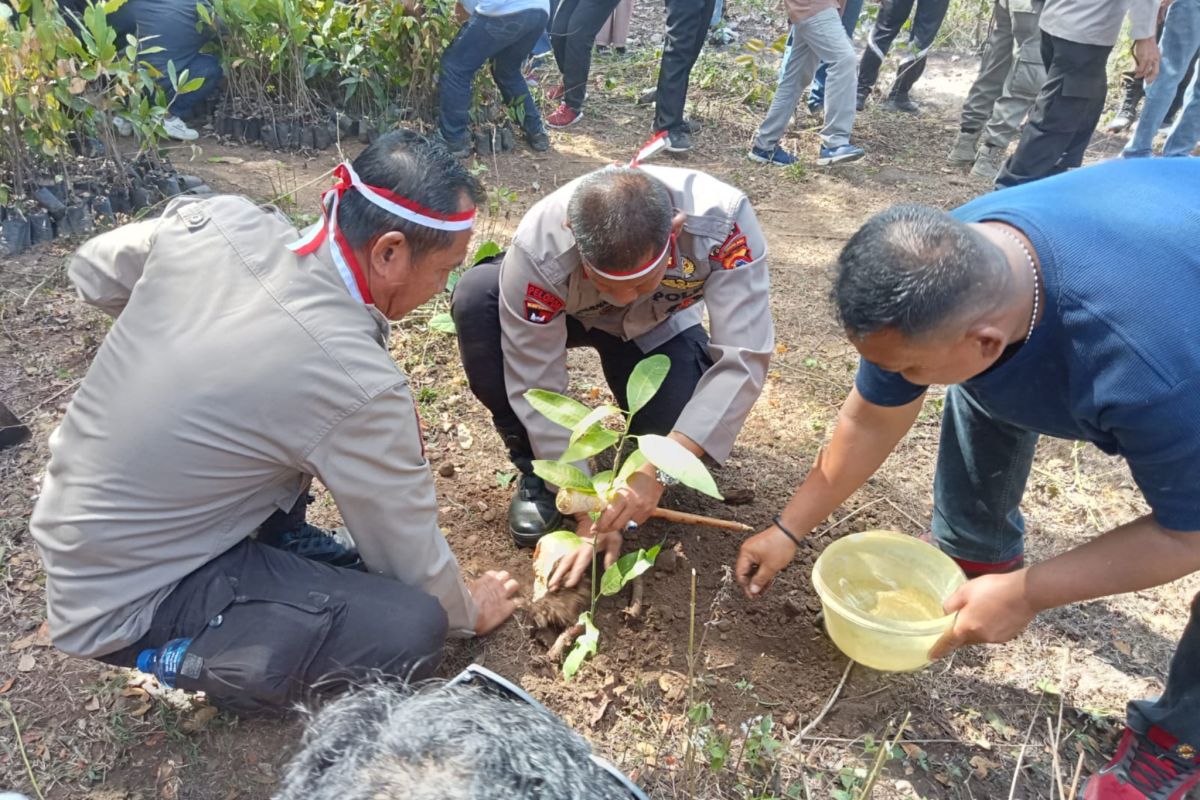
x,y
719,261
233,371
1099,22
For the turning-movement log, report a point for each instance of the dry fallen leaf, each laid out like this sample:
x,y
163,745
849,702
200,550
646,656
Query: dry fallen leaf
x,y
141,710
649,754
27,663
1123,647
39,638
980,766
200,720
8,684
93,704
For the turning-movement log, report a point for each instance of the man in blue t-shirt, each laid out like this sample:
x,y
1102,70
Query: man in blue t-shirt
x,y
1068,307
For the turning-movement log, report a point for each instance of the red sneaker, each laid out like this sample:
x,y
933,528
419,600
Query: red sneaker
x,y
974,569
563,116
1156,766
555,92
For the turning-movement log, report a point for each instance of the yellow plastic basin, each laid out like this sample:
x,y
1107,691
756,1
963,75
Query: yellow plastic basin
x,y
882,593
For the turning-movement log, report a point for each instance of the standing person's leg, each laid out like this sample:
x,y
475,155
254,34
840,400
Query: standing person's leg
x,y
622,16
560,24
1089,87
687,26
1178,44
580,32
826,38
270,629
787,96
1186,135
1022,85
470,50
927,21
604,37
1177,711
1159,752
989,83
982,468
1067,97
515,34
890,19
816,90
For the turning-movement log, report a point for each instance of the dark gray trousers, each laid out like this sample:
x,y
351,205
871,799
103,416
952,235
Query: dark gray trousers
x,y
270,629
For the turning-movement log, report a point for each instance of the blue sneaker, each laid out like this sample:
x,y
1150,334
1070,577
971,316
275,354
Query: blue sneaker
x,y
839,155
777,157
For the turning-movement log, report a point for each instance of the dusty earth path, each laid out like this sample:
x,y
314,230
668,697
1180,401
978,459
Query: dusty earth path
x,y
763,670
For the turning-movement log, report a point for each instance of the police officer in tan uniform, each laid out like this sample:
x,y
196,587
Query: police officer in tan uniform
x,y
243,360
624,260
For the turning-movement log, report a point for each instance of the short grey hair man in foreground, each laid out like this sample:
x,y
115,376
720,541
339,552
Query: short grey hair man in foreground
x,y
476,737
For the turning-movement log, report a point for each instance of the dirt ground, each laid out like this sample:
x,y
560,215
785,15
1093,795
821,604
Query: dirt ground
x,y
1006,721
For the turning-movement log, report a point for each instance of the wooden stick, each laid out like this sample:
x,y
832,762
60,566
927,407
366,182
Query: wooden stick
x,y
671,515
572,501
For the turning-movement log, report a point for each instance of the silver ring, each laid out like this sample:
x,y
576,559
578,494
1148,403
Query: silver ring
x,y
631,526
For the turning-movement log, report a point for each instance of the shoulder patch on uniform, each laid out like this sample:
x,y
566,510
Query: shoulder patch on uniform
x,y
734,252
541,304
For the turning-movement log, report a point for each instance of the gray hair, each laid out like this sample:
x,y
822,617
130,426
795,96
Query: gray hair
x,y
441,742
618,215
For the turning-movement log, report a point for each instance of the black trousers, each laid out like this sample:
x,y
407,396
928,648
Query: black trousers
x,y
687,27
888,24
573,30
270,629
475,307
1065,113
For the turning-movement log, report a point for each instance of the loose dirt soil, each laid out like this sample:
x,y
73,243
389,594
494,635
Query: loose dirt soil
x,y
1031,707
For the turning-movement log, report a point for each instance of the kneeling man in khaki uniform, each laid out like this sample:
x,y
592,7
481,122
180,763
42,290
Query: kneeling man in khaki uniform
x,y
243,360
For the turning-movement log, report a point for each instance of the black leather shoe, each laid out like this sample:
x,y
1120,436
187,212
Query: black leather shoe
x,y
334,548
532,513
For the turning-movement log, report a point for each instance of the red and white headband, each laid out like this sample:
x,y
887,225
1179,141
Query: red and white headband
x,y
649,149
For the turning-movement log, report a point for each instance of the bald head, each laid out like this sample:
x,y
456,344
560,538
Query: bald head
x,y
915,270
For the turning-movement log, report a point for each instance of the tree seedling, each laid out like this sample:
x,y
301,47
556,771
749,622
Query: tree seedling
x,y
589,437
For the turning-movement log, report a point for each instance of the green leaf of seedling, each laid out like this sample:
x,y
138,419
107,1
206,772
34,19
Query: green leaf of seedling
x,y
562,475
191,86
486,250
172,75
602,483
645,380
632,463
594,418
504,479
627,567
453,280
594,441
559,409
443,323
678,462
584,647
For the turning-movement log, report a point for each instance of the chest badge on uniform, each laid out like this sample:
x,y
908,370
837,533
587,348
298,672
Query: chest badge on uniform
x,y
734,252
541,304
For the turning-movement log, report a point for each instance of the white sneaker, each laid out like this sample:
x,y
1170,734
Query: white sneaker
x,y
123,126
176,129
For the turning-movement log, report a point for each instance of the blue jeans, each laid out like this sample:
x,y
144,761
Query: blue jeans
x,y
201,65
506,41
1179,43
983,464
719,9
